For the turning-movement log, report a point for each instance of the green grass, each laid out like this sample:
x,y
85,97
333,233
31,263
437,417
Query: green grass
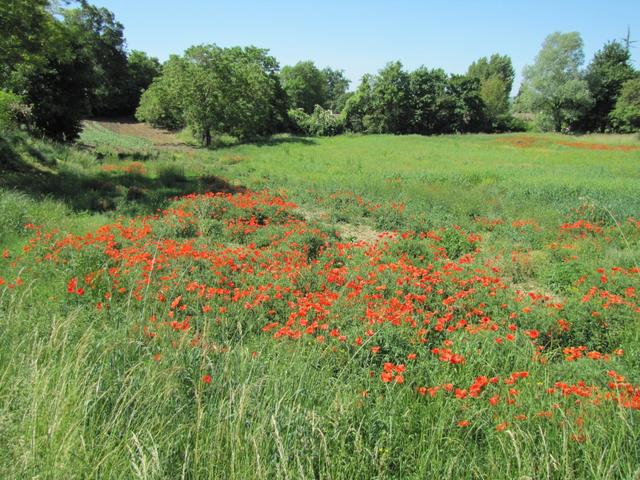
x,y
84,394
95,135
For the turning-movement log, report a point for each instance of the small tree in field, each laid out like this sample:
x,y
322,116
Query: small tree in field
x,y
554,85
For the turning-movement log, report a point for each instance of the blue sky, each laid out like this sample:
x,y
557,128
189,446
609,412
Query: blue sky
x,y
360,36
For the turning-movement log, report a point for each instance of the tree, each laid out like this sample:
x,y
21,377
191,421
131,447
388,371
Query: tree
x,y
428,99
608,71
102,37
464,104
390,100
141,71
626,115
358,107
337,86
496,76
553,85
24,25
215,90
305,85
57,87
162,103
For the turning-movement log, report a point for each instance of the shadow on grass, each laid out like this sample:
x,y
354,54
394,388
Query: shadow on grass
x,y
268,142
275,141
130,193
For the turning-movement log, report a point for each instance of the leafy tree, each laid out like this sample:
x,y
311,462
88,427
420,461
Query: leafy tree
x,y
390,100
496,66
57,87
428,100
337,86
24,25
358,107
553,85
608,71
141,70
496,76
464,104
102,37
305,85
215,90
626,115
163,103
13,111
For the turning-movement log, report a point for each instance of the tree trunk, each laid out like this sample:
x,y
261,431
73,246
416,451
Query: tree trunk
x,y
206,138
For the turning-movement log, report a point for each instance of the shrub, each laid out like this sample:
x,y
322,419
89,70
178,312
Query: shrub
x,y
13,112
321,123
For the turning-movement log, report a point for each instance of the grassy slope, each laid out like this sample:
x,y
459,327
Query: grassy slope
x,y
81,394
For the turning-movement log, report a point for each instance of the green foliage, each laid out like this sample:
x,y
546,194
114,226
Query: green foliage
x,y
321,123
606,74
429,99
102,40
141,71
424,101
162,104
215,90
306,86
390,100
553,85
337,86
13,112
496,80
626,115
24,25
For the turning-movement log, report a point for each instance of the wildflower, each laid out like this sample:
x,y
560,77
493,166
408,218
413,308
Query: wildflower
x,y
206,379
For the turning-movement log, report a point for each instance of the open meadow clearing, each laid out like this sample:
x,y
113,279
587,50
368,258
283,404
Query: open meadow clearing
x,y
460,306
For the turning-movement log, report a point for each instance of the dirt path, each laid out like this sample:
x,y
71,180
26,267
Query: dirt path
x,y
125,126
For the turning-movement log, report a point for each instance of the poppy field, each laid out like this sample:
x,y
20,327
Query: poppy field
x,y
356,307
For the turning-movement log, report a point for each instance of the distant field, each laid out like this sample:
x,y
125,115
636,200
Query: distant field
x,y
458,177
349,307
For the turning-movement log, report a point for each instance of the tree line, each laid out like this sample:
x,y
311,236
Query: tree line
x,y
60,62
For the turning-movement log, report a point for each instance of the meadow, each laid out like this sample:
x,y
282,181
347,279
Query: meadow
x,y
461,306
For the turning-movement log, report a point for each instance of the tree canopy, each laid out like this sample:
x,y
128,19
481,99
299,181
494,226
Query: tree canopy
x,y
215,90
554,85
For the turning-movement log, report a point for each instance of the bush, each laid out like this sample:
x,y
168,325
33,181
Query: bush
x,y
13,112
321,123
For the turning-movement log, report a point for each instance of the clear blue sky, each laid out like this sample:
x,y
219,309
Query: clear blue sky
x,y
360,36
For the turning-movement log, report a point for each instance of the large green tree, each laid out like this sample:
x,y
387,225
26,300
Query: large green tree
x,y
554,86
24,27
429,99
610,68
391,100
215,90
496,76
102,38
57,88
305,85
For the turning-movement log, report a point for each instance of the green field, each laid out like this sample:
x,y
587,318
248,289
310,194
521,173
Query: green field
x,y
350,307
